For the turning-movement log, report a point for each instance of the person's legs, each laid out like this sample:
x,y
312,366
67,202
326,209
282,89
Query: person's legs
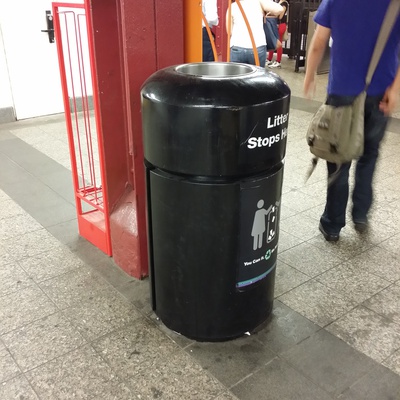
x,y
333,218
262,55
207,48
244,55
279,51
375,126
238,54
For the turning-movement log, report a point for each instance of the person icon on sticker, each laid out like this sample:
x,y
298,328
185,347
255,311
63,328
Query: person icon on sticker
x,y
259,225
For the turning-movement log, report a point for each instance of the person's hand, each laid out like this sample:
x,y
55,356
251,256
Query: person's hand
x,y
389,101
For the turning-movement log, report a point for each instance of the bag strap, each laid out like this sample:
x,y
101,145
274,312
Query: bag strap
x,y
387,25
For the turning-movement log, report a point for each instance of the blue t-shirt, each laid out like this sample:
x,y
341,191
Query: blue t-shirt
x,y
354,28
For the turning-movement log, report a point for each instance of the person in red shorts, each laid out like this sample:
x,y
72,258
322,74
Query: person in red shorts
x,y
282,25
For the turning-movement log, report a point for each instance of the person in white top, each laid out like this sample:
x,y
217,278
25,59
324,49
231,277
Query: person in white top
x,y
240,43
210,12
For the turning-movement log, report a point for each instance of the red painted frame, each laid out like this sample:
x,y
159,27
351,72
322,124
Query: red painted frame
x,y
94,225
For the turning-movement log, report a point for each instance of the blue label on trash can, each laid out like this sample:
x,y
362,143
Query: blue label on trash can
x,y
260,201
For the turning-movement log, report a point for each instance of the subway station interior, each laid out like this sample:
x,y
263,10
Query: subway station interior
x,y
86,313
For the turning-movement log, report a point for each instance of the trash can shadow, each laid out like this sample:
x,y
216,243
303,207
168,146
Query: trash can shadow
x,y
214,139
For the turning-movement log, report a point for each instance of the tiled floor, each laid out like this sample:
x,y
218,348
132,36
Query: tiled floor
x,y
74,326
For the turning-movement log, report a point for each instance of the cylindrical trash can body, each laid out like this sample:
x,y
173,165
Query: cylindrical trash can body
x,y
214,145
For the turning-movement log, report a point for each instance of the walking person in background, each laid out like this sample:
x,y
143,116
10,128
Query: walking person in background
x,y
210,12
282,26
352,47
240,42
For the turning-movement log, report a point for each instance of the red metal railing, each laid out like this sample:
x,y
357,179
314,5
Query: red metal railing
x,y
72,28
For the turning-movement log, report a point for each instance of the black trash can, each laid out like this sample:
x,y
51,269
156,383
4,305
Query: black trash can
x,y
214,145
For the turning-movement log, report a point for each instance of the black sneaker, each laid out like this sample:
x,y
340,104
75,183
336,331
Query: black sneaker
x,y
330,237
361,226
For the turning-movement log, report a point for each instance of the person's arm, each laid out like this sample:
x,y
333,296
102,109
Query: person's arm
x,y
271,7
391,96
315,53
282,14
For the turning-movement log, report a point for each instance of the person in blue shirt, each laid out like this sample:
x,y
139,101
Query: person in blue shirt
x,y
353,41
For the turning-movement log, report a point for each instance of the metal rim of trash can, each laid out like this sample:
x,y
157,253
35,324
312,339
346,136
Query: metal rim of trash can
x,y
218,70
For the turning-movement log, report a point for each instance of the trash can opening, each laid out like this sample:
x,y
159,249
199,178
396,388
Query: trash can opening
x,y
216,69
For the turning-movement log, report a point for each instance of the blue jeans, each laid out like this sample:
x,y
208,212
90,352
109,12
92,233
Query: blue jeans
x,y
334,217
245,55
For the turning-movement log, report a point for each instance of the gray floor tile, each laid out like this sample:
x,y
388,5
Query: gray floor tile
x,y
348,246
65,232
291,182
379,383
8,368
178,338
391,245
18,225
278,381
59,179
57,212
287,241
304,228
3,196
230,361
176,377
379,262
74,287
42,341
393,362
138,293
300,201
286,212
10,209
81,374
17,388
134,347
316,189
101,314
368,332
287,278
49,264
386,303
12,175
226,396
153,366
387,215
284,329
352,282
309,259
100,262
29,244
329,362
5,257
317,302
22,307
387,191
39,200
13,278
27,157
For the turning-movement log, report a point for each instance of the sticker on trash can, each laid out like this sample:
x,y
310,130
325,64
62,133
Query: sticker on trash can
x,y
259,228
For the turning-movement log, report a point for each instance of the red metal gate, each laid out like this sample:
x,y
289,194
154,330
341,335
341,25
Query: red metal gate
x,y
72,27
